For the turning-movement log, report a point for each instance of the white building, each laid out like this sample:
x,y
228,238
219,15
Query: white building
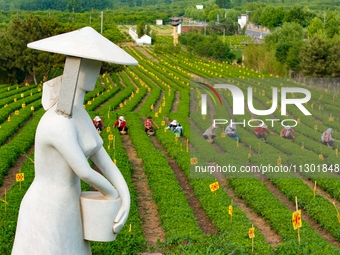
x,y
199,7
133,34
243,20
159,22
145,39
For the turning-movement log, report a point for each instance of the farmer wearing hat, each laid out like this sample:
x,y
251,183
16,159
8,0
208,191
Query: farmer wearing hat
x,y
98,124
209,134
148,125
288,132
175,127
121,124
231,132
327,138
261,130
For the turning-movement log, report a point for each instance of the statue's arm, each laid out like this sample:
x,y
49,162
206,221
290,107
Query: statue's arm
x,y
112,173
68,146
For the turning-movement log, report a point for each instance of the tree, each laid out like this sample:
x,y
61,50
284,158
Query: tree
x,y
289,32
20,61
299,15
143,29
272,17
332,24
334,56
131,3
223,3
255,10
74,5
233,14
314,57
316,26
292,58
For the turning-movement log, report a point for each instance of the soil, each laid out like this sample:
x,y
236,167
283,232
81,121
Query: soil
x,y
131,80
147,54
203,221
176,102
319,191
9,179
291,206
147,208
270,235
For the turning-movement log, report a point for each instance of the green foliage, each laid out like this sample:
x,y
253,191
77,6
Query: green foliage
x,y
142,29
232,14
315,57
223,3
74,5
316,26
207,46
272,17
17,59
299,15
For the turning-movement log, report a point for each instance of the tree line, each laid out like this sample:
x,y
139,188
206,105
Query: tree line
x,y
302,42
82,5
18,63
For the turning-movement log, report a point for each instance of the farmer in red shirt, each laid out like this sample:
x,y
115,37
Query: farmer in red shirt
x,y
148,125
288,132
121,124
261,130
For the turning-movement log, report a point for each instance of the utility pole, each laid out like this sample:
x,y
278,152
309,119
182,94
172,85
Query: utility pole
x,y
223,35
101,22
205,29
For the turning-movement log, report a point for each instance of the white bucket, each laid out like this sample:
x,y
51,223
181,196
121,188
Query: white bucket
x,y
98,215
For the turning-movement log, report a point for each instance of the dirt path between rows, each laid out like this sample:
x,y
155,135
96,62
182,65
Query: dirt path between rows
x,y
9,179
174,107
319,191
270,235
147,54
291,206
147,208
202,219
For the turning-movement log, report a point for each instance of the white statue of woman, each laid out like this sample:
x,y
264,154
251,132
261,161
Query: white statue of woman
x,y
50,220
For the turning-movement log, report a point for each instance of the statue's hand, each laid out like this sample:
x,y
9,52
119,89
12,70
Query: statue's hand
x,y
121,217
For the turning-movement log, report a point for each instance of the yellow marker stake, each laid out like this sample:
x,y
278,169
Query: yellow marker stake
x,y
231,211
314,190
114,149
187,145
279,161
252,239
4,201
297,209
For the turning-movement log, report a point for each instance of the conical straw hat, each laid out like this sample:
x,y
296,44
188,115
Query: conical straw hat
x,y
85,43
